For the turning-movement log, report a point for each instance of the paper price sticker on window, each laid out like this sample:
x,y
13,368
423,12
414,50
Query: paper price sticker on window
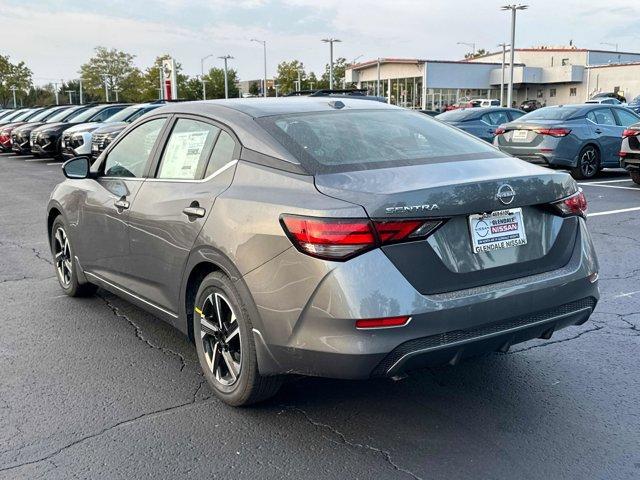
x,y
182,156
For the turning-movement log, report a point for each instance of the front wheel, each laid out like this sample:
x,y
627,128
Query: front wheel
x,y
635,176
224,341
588,163
64,261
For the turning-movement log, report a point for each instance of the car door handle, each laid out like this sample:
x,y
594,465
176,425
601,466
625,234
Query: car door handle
x,y
194,212
121,204
598,131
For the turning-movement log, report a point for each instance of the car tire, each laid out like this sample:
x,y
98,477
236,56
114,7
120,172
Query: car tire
x,y
635,176
64,262
223,334
588,164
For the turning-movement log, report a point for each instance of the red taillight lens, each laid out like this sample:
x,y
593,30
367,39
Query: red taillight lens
x,y
576,204
382,322
340,239
499,131
554,132
630,133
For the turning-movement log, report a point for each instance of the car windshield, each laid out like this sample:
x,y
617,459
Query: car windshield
x,y
24,115
328,142
636,100
63,115
124,114
550,113
43,115
457,115
87,114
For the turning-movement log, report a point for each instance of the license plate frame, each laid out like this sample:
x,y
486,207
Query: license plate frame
x,y
497,230
520,136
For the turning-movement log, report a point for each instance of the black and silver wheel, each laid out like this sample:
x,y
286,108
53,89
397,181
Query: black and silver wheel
x,y
635,176
64,262
588,164
224,341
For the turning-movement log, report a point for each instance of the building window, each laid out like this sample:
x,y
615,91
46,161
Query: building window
x,y
552,92
540,92
573,91
565,61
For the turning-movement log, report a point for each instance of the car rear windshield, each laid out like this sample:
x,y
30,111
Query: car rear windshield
x,y
551,113
458,115
329,142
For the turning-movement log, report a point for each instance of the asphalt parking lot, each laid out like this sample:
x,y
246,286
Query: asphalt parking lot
x,y
97,388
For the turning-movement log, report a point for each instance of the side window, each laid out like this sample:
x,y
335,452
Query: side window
x,y
515,115
186,153
222,153
131,155
604,116
626,118
106,113
495,118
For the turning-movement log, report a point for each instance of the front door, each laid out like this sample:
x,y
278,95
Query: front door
x,y
103,247
171,208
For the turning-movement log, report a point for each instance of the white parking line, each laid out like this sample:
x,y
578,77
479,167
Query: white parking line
x,y
611,212
55,163
609,186
606,181
33,160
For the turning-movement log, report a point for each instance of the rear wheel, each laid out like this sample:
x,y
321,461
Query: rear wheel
x,y
224,341
588,163
635,176
64,262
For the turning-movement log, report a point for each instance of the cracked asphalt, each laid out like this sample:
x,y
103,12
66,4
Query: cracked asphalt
x,y
97,388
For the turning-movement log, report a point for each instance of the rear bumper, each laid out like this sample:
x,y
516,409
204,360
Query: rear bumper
x,y
320,338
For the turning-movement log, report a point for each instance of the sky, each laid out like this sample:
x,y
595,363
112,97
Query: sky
x,y
55,37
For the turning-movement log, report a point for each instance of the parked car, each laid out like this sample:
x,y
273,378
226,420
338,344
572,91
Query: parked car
x,y
481,122
484,103
79,140
46,140
630,151
634,104
431,113
530,105
583,138
15,115
605,101
5,131
20,137
5,112
615,95
293,236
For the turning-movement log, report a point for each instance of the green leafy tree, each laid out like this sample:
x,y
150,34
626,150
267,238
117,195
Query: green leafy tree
x,y
288,76
339,68
119,71
254,88
215,83
479,53
312,82
13,75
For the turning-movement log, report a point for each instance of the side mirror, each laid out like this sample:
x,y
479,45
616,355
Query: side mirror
x,y
77,168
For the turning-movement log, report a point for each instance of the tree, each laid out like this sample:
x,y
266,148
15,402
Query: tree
x,y
288,76
215,83
479,53
254,88
13,75
117,69
339,68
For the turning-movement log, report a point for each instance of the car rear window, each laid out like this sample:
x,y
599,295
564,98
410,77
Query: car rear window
x,y
458,115
328,142
551,113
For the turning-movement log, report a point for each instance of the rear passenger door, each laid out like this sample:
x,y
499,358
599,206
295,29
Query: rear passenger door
x,y
607,132
196,164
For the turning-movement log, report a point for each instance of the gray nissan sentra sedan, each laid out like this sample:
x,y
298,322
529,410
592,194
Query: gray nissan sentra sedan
x,y
316,236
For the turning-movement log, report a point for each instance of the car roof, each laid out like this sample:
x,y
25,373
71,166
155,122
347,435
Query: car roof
x,y
263,107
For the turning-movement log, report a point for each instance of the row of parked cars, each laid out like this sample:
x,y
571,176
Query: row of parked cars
x,y
67,131
584,138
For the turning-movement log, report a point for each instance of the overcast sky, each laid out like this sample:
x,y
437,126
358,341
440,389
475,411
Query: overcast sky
x,y
55,37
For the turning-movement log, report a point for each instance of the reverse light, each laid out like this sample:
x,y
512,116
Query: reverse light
x,y
386,322
341,239
554,132
576,205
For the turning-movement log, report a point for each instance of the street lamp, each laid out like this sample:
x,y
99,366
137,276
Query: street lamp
x,y
504,50
472,45
331,41
13,90
204,89
264,50
615,45
70,93
513,8
226,78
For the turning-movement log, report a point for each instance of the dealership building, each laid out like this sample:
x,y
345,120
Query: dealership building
x,y
551,75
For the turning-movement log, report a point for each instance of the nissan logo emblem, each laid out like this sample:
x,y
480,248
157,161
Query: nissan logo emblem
x,y
506,194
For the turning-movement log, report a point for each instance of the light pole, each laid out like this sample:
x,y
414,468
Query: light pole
x,y
106,87
276,86
226,78
378,81
116,89
13,89
331,41
513,8
504,52
55,85
264,54
81,96
615,45
204,89
472,45
70,93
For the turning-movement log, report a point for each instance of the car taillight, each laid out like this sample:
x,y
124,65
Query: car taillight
x,y
576,204
629,132
341,239
499,131
554,132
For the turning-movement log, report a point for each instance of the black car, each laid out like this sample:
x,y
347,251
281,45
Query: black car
x,y
616,95
530,105
20,135
46,140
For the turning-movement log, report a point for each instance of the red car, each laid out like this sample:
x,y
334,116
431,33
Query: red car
x,y
5,130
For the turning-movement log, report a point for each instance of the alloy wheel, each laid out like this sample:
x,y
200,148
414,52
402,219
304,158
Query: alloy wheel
x,y
62,257
589,163
220,336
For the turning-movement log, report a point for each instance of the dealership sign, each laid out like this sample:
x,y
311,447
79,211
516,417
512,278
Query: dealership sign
x,y
169,79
